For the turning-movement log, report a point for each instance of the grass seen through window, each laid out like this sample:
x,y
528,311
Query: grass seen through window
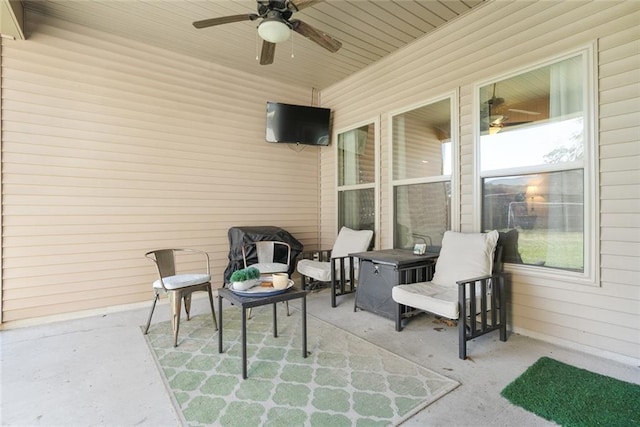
x,y
553,249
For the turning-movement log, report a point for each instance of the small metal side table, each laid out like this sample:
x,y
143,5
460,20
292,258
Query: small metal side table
x,y
381,270
245,302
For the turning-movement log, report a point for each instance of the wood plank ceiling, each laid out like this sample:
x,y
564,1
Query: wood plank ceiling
x,y
368,30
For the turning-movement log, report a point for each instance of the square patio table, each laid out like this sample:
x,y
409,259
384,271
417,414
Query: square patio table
x,y
381,270
245,302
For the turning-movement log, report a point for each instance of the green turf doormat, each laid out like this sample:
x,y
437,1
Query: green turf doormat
x,y
572,396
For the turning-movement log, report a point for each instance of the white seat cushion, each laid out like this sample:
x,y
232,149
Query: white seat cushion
x,y
182,281
321,271
437,299
271,267
316,269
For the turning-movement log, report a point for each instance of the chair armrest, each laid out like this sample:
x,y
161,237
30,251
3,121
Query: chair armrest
x,y
415,274
477,279
323,255
488,301
341,260
203,253
288,246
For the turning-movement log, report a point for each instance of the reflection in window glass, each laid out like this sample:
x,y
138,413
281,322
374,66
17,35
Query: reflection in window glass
x,y
419,139
422,215
356,209
447,159
356,151
531,145
542,125
544,214
532,139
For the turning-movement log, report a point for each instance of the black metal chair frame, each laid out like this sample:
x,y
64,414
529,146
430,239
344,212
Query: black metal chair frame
x,y
492,313
342,283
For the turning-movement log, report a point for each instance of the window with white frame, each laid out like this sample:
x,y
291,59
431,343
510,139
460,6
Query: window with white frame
x,y
422,163
535,175
357,178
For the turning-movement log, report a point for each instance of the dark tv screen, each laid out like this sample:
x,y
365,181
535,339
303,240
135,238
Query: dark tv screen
x,y
297,124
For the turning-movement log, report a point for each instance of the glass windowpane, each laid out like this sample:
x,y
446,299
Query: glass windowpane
x,y
356,209
422,149
422,214
419,139
356,155
544,214
534,120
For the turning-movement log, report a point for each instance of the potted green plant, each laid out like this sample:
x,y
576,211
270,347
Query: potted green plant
x,y
245,278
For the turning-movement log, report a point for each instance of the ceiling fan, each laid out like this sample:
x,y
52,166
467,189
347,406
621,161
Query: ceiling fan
x,y
276,25
499,121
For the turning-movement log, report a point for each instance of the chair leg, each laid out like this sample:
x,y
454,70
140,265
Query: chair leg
x,y
176,300
153,307
187,305
462,339
213,310
398,317
286,303
333,293
503,309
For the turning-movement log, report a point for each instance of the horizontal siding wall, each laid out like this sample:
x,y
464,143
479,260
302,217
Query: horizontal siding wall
x,y
111,149
497,38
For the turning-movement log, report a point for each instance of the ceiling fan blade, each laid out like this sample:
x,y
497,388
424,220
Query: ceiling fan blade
x,y
225,20
295,6
313,34
267,53
517,110
515,123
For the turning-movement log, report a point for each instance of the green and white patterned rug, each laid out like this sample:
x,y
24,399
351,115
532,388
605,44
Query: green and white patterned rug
x,y
344,381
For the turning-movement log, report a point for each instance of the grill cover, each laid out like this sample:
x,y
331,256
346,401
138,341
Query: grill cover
x,y
238,236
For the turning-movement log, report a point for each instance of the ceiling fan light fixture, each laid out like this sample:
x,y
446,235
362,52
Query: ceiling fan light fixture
x,y
493,129
274,30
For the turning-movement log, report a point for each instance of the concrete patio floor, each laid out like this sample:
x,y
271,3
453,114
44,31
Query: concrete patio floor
x,y
99,371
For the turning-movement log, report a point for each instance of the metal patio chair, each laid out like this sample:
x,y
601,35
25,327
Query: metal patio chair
x,y
179,285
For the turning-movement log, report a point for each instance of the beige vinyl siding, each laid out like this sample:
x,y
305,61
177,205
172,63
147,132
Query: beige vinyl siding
x,y
503,37
112,148
619,149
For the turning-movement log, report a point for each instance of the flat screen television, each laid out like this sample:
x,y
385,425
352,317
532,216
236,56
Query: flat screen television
x,y
298,124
